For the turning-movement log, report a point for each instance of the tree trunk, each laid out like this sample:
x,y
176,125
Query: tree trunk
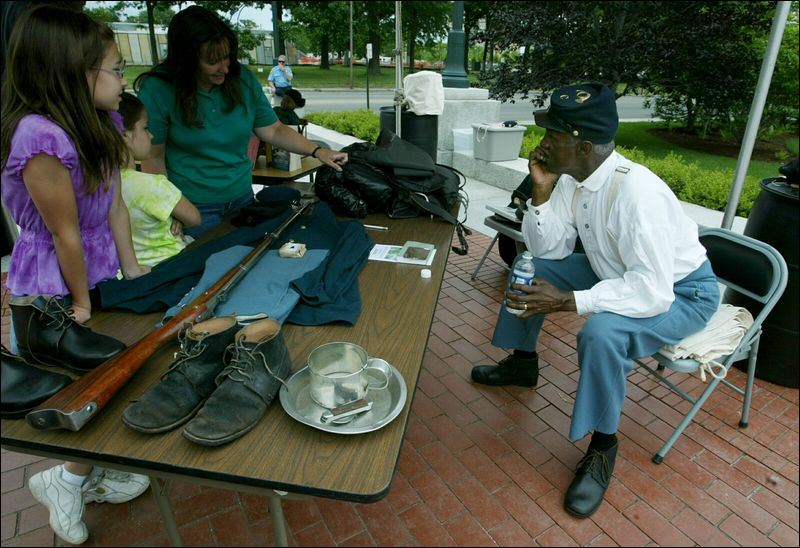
x,y
690,114
374,68
412,40
279,23
324,48
152,29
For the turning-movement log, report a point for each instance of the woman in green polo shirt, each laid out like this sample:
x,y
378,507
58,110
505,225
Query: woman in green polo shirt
x,y
203,106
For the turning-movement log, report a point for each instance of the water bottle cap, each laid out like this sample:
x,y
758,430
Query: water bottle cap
x,y
527,255
425,273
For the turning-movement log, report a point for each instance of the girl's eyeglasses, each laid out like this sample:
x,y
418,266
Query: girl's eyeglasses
x,y
120,71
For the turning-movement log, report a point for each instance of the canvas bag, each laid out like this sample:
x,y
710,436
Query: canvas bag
x,y
424,93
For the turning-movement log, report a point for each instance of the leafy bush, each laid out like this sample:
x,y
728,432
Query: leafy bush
x,y
688,180
361,124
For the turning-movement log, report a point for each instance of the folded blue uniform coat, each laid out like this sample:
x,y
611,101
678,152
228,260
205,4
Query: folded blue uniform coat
x,y
329,293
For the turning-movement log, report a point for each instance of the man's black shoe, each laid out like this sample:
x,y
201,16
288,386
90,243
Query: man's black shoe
x,y
585,493
510,370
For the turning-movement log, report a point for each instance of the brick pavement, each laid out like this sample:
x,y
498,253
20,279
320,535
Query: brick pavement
x,y
489,466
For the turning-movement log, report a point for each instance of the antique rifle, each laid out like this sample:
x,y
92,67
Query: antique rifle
x,y
75,405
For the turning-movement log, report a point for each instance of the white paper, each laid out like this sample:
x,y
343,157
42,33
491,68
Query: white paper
x,y
394,254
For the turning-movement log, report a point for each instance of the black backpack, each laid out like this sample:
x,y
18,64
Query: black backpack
x,y
398,178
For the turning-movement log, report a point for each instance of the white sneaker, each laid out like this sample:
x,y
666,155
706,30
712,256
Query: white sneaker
x,y
65,503
104,485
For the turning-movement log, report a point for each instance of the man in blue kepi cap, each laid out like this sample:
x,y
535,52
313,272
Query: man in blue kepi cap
x,y
644,277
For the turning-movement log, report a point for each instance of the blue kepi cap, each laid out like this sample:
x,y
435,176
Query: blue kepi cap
x,y
585,111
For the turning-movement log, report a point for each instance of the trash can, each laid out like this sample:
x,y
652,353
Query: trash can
x,y
422,131
774,220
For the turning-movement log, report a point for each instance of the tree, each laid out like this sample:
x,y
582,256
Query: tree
x,y
424,21
323,24
107,15
700,58
162,14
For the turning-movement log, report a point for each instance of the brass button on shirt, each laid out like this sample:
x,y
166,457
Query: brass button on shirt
x,y
208,164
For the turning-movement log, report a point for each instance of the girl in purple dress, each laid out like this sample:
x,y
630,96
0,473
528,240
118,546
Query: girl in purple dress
x,y
61,151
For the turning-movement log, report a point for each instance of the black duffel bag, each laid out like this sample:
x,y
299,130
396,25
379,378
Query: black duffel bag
x,y
395,177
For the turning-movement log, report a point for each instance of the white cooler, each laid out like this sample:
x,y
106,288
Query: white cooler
x,y
496,143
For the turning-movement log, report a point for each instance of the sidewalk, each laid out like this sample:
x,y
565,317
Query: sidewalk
x,y
489,466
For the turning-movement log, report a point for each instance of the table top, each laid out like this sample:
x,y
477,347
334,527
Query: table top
x,y
279,453
262,172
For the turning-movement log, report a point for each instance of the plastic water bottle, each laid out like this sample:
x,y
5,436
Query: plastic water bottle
x,y
521,273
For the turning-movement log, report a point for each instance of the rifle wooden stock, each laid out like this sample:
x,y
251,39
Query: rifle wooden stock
x,y
76,404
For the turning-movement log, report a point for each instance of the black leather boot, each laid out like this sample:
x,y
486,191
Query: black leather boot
x,y
259,365
510,370
188,382
47,335
25,386
585,493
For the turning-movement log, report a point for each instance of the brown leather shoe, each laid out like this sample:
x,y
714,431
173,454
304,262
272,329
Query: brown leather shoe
x,y
511,370
259,364
188,382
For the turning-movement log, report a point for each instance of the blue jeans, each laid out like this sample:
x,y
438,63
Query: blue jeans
x,y
608,342
213,214
279,91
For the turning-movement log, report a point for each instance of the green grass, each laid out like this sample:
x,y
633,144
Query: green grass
x,y
313,77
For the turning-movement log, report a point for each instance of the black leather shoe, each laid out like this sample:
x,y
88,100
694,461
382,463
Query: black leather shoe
x,y
259,364
188,382
47,335
585,493
25,386
509,370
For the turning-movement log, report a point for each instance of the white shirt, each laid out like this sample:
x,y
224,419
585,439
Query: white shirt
x,y
638,249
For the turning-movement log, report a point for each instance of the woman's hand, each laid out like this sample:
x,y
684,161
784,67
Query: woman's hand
x,y
332,158
81,314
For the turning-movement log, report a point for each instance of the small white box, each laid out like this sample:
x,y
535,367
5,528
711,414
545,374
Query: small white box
x,y
462,141
496,143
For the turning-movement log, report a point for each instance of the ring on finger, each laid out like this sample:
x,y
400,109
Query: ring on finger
x,y
525,306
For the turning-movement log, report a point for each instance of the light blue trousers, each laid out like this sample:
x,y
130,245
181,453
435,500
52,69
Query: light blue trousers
x,y
608,342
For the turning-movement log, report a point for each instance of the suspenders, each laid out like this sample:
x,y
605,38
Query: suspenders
x,y
613,190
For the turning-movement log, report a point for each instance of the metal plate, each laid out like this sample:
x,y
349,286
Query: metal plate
x,y
386,404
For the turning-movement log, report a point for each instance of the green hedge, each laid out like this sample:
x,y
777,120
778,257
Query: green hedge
x,y
361,124
688,180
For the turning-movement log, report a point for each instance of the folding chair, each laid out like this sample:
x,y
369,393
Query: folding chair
x,y
501,227
746,266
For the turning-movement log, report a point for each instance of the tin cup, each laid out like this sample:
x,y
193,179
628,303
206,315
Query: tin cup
x,y
340,374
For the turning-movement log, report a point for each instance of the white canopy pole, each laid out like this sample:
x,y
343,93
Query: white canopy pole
x,y
756,110
398,64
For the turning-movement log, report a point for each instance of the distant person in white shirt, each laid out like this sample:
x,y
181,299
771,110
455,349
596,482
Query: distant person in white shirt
x,y
644,275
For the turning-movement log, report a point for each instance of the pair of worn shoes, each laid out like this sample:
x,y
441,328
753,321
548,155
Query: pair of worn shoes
x,y
66,501
47,335
221,381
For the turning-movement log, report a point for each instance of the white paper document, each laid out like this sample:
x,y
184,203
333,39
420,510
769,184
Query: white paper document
x,y
410,253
